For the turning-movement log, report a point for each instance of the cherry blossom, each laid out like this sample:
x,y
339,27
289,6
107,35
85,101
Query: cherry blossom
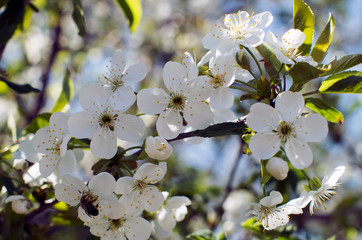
x,y
103,121
19,204
52,143
158,148
139,192
278,168
285,123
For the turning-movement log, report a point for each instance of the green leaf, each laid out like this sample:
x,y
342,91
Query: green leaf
x,y
66,95
133,11
204,234
343,63
78,17
143,155
345,82
302,73
265,175
39,122
252,225
268,54
19,88
323,108
304,21
324,40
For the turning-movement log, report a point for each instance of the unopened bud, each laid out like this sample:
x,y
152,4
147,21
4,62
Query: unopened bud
x,y
243,60
19,204
158,148
278,168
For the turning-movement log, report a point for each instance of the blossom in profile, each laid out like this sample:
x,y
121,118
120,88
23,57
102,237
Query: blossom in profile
x,y
52,142
139,192
185,100
278,168
287,51
19,204
239,28
271,216
119,79
103,121
158,148
285,123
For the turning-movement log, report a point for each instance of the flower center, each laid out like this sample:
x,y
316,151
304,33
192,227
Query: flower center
x,y
218,80
115,224
285,130
177,101
290,52
107,120
114,81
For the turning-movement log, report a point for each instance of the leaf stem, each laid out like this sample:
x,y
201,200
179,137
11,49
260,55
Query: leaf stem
x,y
277,74
247,84
263,184
242,89
127,168
310,93
135,147
256,61
305,174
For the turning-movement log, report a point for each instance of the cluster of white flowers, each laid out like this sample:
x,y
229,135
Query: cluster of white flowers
x,y
112,208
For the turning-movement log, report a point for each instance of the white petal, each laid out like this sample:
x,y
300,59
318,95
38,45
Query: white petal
x,y
137,228
68,194
174,76
282,58
92,97
253,38
278,168
272,40
152,198
132,202
190,65
177,201
207,57
129,128
47,165
104,144
134,74
334,177
180,213
262,118
293,38
298,153
125,185
44,140
14,198
74,182
264,145
289,208
111,209
169,124
223,115
58,124
123,98
274,220
27,149
166,220
289,105
262,20
198,115
67,163
151,173
118,61
80,125
312,128
102,184
211,40
158,148
272,200
221,98
152,100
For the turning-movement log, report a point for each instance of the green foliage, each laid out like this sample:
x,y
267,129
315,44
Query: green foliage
x,y
323,108
302,73
252,225
19,88
78,17
304,21
343,63
66,95
133,11
143,155
268,54
204,234
265,175
39,122
345,82
324,40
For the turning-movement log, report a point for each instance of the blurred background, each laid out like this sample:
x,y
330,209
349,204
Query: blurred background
x,y
212,173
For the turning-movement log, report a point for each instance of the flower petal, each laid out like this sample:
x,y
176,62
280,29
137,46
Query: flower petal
x,y
104,144
198,114
166,220
137,228
118,61
174,76
274,199
223,115
68,194
111,209
132,202
102,185
312,128
264,145
74,182
44,140
221,98
81,125
289,105
125,185
67,163
92,97
48,164
262,20
262,118
298,153
177,201
129,128
134,74
169,124
152,100
151,173
293,38
58,124
211,39
123,98
152,198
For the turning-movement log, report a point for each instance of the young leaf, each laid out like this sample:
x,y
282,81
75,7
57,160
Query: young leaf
x,y
78,17
345,82
304,21
204,234
19,88
343,63
268,54
324,40
323,108
66,94
302,73
133,11
39,122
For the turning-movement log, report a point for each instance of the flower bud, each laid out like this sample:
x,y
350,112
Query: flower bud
x,y
158,148
19,204
243,60
278,168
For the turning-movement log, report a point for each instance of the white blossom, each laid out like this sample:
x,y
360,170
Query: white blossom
x,y
28,152
158,148
119,79
186,100
278,168
285,123
52,143
269,214
103,121
287,50
19,204
239,28
139,192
